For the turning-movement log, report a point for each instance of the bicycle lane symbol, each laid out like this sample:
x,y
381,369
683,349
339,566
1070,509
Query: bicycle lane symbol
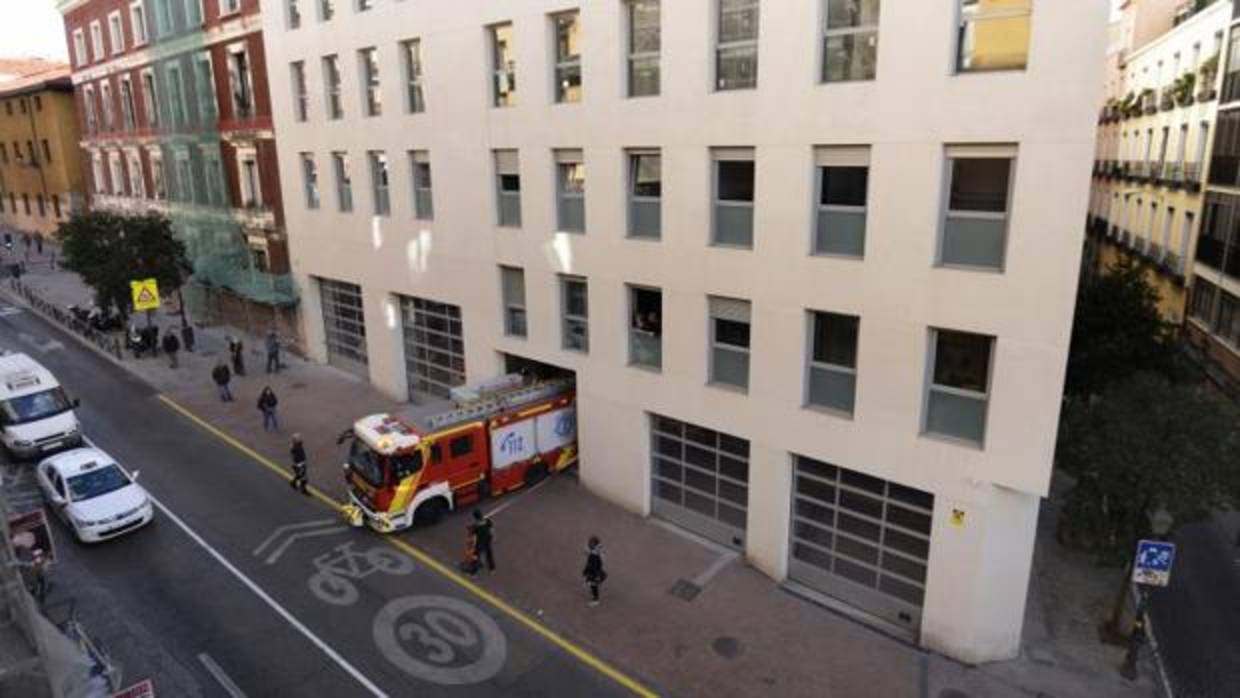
x,y
337,570
440,639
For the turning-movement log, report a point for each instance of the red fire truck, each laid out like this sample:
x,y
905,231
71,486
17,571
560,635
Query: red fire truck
x,y
415,467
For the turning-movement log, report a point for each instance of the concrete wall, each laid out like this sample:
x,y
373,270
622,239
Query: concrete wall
x,y
906,116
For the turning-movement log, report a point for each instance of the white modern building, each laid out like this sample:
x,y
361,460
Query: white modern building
x,y
812,262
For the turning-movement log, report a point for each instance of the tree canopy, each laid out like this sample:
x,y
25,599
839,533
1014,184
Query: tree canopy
x,y
108,250
1117,331
1146,441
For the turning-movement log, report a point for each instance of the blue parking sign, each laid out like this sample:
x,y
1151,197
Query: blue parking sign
x,y
1152,565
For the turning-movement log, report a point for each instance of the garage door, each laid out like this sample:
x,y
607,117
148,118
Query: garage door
x,y
434,347
861,539
344,326
700,479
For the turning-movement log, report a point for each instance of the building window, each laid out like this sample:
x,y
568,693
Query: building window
x,y
411,54
850,42
729,342
736,53
47,152
1228,325
512,284
228,7
959,385
423,201
176,97
503,66
993,36
379,182
136,188
646,327
240,80
1201,301
56,204
567,56
214,174
116,33
26,201
843,187
117,177
508,188
96,40
331,86
80,56
363,5
158,181
109,111
294,14
42,205
148,98
645,194
644,45
344,182
204,75
301,99
574,307
732,223
832,372
976,217
570,189
368,61
137,22
310,180
88,106
38,103
163,18
251,188
128,110
327,9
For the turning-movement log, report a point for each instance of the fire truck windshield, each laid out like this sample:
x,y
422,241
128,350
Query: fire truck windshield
x,y
366,462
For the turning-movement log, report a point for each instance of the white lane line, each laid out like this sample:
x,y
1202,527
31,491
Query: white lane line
x,y
217,671
275,606
291,527
514,498
715,568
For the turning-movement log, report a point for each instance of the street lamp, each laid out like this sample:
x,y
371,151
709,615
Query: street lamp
x,y
1161,522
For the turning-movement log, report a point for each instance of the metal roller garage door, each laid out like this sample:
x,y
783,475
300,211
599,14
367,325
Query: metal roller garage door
x,y
700,479
861,539
344,326
434,347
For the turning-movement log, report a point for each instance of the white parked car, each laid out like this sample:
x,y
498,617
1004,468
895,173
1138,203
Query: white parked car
x,y
93,495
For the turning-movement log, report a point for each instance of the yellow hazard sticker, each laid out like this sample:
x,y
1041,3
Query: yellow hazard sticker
x,y
145,294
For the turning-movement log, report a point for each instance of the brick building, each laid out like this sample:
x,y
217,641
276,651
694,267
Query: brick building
x,y
175,115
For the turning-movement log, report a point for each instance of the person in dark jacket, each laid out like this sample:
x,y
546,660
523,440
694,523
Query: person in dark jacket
x,y
236,351
593,572
482,529
297,453
273,353
221,375
171,346
267,402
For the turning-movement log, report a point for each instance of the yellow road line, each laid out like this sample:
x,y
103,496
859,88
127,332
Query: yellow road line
x,y
499,604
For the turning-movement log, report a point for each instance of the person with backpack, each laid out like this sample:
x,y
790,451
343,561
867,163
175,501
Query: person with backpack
x,y
593,572
297,453
222,376
267,402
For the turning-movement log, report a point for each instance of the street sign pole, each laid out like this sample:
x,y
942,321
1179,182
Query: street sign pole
x,y
1151,567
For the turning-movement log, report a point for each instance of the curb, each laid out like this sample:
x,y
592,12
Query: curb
x,y
19,299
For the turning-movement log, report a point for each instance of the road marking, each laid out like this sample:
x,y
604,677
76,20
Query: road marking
x,y
443,570
271,559
513,499
218,672
275,606
715,568
449,631
291,527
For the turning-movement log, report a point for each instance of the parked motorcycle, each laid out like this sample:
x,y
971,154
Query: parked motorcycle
x,y
142,341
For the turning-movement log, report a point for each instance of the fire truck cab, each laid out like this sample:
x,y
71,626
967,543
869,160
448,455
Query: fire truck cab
x,y
416,466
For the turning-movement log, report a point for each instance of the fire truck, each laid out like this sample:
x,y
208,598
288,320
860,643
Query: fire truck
x,y
419,465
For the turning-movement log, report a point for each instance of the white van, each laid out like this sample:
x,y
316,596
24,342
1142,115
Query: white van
x,y
36,416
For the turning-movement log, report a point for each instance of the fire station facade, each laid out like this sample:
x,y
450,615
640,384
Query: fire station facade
x,y
811,263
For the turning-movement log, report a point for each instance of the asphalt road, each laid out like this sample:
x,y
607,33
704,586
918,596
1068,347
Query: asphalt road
x,y
286,601
1197,618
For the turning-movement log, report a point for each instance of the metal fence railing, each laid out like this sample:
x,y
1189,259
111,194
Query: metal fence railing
x,y
106,342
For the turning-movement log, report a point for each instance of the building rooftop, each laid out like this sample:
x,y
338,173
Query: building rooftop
x,y
21,75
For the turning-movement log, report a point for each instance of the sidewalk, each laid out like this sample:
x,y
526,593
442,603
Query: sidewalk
x,y
742,635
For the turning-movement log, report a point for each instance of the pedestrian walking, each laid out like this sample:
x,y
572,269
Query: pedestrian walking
x,y
38,572
171,345
273,352
38,244
593,572
222,376
297,453
267,402
484,535
237,351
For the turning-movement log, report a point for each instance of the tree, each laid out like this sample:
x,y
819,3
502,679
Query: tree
x,y
1145,442
108,250
1117,331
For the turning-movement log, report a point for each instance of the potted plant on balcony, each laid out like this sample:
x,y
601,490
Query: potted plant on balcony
x,y
1208,70
1131,106
1148,101
1183,88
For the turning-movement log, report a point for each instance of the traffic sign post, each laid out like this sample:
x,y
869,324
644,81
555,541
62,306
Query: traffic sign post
x,y
1152,566
145,294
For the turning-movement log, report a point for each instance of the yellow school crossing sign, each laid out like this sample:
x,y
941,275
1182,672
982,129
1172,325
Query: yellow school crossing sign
x,y
145,294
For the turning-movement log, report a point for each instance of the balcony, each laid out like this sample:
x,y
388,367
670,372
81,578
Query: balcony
x,y
1154,171
1174,265
1173,174
1155,252
1192,176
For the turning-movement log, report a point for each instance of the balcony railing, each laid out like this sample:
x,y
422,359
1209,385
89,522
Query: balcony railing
x,y
1154,170
1192,175
1173,173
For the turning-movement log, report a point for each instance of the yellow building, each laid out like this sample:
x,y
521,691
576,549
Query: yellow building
x,y
40,169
